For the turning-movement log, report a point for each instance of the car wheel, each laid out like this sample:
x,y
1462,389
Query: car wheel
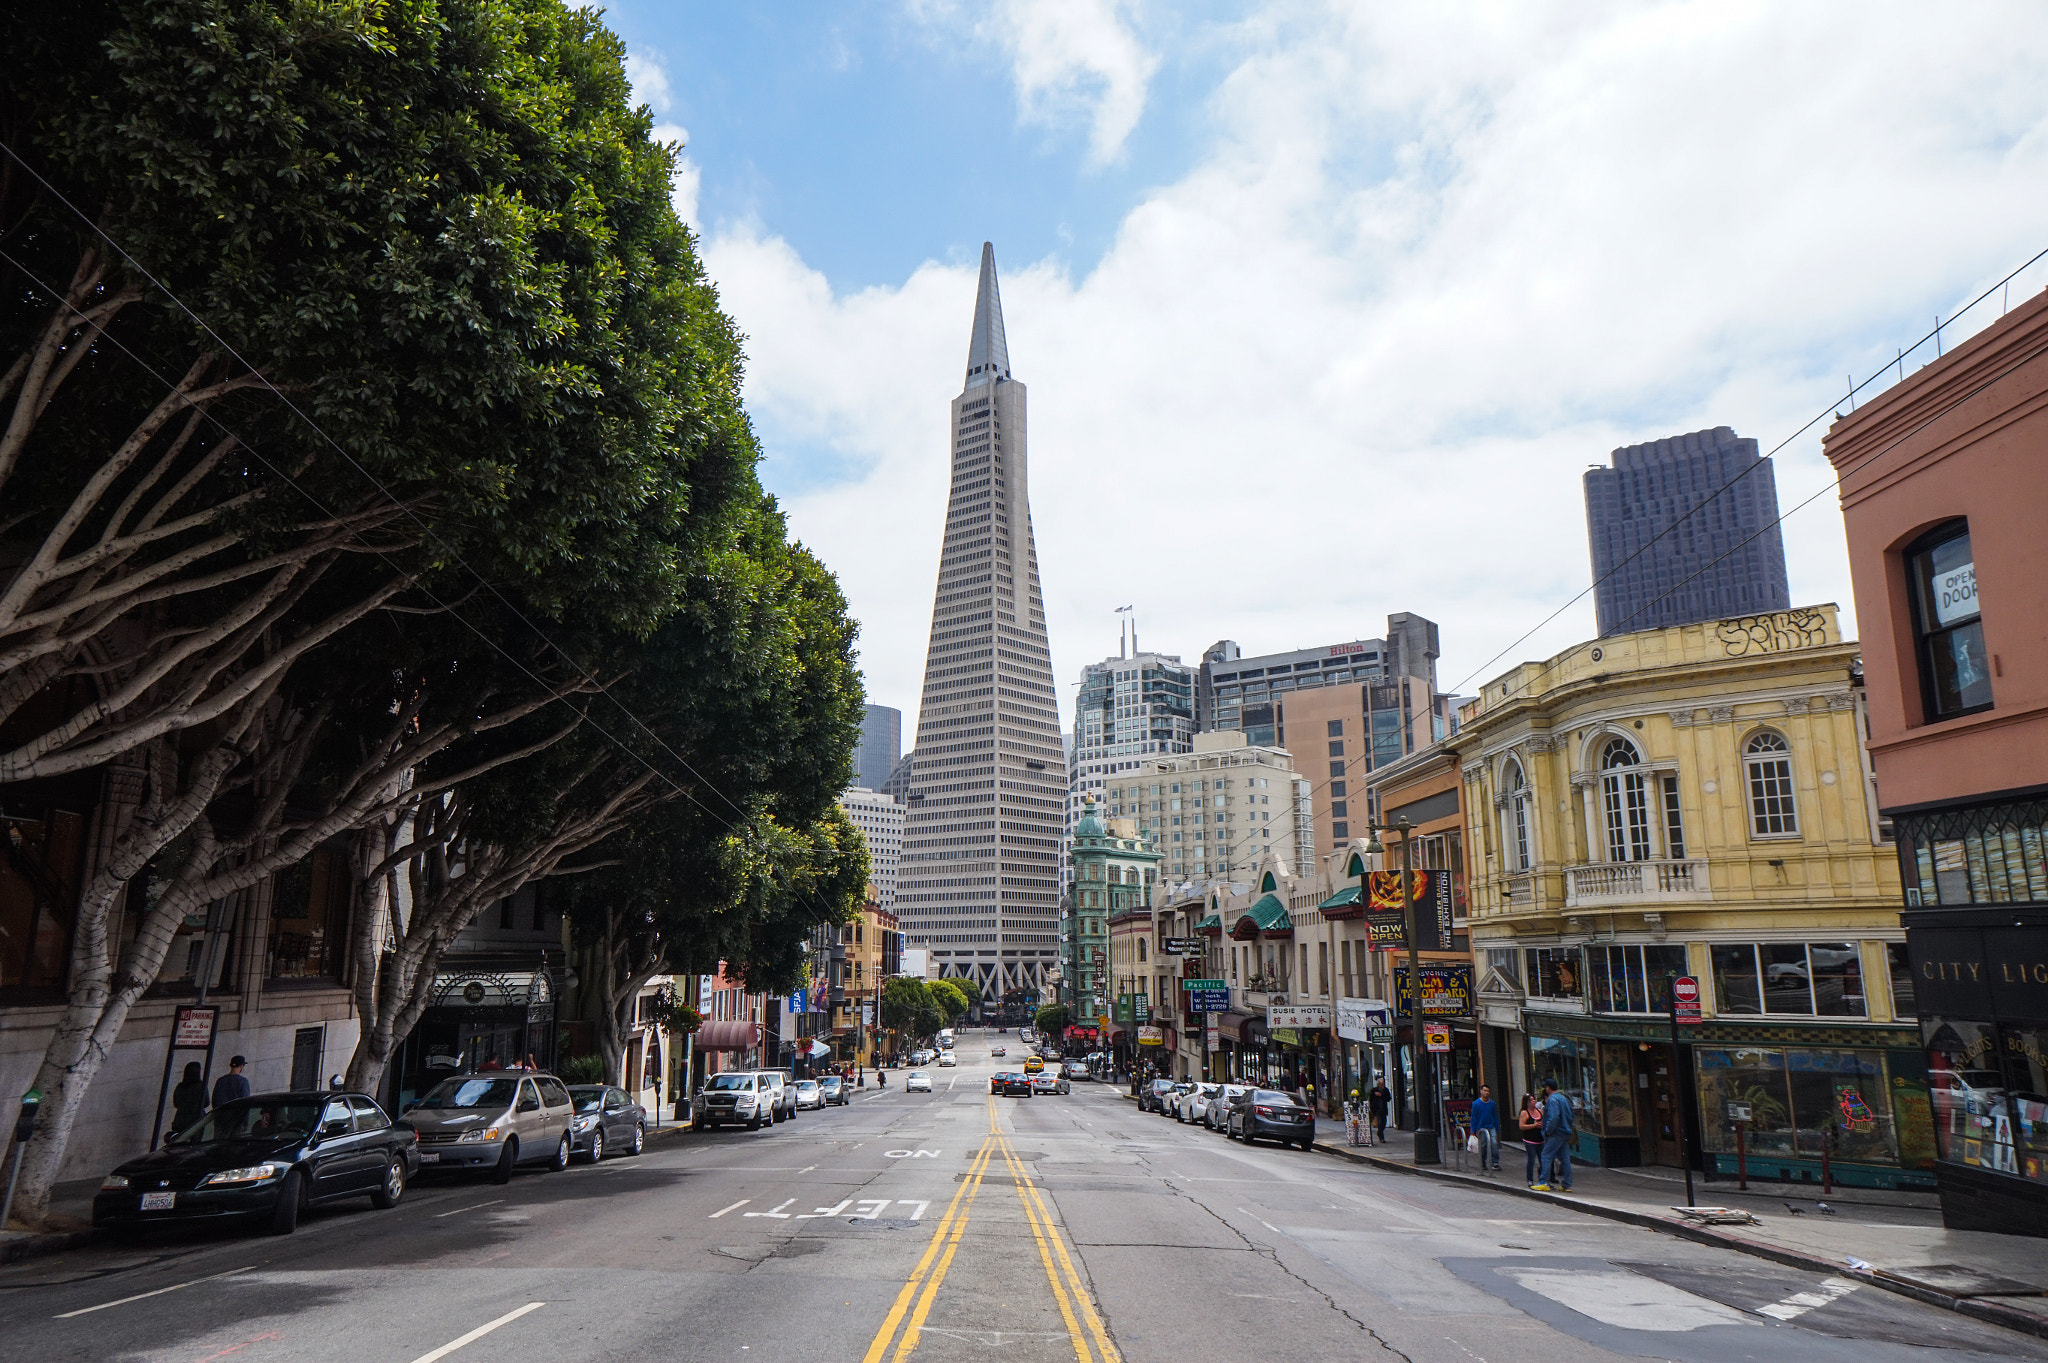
x,y
501,1172
596,1152
291,1200
386,1197
563,1149
639,1139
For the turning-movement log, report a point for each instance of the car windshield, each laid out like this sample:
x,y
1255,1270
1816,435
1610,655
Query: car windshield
x,y
721,1083
803,1084
252,1120
1269,1096
587,1099
830,1081
470,1093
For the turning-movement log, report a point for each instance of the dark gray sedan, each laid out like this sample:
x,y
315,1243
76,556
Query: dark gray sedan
x,y
607,1120
1268,1112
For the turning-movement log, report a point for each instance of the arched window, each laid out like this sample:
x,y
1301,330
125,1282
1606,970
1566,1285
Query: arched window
x,y
1515,832
1624,801
1767,759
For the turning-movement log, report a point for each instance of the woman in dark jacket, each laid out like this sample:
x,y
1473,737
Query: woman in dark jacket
x,y
1529,1121
188,1099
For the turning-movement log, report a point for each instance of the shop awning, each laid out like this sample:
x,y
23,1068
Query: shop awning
x,y
1232,1025
1267,915
1348,902
1212,926
728,1036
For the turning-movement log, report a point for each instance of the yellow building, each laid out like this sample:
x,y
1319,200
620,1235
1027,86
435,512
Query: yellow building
x,y
1696,801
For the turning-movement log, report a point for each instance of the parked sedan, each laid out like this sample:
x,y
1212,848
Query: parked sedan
x,y
1076,1069
835,1089
946,1060
917,1081
1152,1097
1189,1106
1216,1115
606,1119
1050,1083
264,1159
494,1121
1010,1082
1267,1112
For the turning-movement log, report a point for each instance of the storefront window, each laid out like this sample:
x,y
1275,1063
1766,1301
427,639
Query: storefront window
x,y
1809,979
1736,989
1554,973
1633,979
1900,966
1995,855
1793,1097
1573,1065
1971,1122
1617,1087
2026,1070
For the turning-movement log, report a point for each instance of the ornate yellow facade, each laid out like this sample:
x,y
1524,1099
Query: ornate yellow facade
x,y
1694,800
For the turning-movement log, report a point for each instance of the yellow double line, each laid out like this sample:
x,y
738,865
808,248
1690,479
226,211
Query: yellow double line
x,y
1067,1287
914,1302
928,1275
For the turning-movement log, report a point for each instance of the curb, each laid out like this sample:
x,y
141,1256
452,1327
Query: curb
x,y
2024,1322
22,1247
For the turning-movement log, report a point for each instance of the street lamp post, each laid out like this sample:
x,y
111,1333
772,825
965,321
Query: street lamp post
x,y
1424,1094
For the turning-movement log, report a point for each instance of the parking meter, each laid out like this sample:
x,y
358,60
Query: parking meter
x,y
25,1123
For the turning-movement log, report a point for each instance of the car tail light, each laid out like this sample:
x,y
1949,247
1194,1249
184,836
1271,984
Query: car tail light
x,y
1264,1111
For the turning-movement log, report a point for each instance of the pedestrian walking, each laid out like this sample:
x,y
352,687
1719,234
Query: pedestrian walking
x,y
1484,1123
232,1085
1529,1121
1378,1103
1554,1172
188,1099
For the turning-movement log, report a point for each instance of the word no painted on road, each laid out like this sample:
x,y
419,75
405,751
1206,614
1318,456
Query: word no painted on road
x,y
910,1154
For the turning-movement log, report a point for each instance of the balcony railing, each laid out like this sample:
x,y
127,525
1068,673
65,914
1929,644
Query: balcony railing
x,y
1619,883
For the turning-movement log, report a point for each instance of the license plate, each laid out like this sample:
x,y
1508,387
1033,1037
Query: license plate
x,y
426,1158
158,1202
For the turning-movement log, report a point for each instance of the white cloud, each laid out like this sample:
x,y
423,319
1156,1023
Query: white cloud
x,y
1076,61
649,81
1435,263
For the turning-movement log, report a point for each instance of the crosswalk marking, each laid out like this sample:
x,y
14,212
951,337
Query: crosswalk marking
x,y
1799,1303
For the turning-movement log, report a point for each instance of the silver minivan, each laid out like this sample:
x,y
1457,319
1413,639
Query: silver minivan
x,y
495,1120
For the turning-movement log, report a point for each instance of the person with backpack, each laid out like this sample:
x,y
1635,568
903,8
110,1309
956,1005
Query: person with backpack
x,y
1555,1168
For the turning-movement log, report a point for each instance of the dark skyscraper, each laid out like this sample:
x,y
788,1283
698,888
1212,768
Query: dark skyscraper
x,y
1684,530
979,881
881,743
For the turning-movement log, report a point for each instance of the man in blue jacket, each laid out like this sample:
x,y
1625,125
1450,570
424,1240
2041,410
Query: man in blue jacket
x,y
1485,1124
1557,1135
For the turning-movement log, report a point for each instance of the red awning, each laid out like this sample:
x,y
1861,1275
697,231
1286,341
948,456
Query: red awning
x,y
728,1036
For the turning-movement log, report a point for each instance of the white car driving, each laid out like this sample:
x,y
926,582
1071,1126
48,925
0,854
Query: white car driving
x,y
946,1060
917,1081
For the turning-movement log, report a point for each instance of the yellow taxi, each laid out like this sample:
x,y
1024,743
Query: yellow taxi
x,y
1034,1066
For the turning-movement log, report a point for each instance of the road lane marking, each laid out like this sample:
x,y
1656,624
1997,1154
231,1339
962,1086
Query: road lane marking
x,y
1028,1193
434,1355
1799,1303
1626,1300
140,1296
774,1211
824,1211
1052,1274
478,1207
733,1208
954,1210
807,1168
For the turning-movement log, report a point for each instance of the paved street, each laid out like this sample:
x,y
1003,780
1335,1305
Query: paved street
x,y
954,1225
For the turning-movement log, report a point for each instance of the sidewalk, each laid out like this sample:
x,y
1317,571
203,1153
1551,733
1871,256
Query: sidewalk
x,y
1893,1240
70,1212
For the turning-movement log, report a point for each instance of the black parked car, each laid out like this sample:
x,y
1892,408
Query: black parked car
x,y
606,1119
1152,1097
265,1158
1267,1112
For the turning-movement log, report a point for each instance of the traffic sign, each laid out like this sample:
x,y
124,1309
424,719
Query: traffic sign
x,y
1685,999
1203,984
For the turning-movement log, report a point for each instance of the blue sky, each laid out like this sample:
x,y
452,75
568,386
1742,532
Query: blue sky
x,y
1284,277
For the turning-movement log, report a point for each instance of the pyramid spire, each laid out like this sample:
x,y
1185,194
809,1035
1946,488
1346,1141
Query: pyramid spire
x,y
988,350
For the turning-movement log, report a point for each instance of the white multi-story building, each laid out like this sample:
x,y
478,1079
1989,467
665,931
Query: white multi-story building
x,y
881,819
1130,707
1218,810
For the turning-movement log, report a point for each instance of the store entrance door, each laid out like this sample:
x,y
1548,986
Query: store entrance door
x,y
1657,1109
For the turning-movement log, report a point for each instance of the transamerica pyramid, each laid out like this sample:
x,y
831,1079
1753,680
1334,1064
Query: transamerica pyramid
x,y
978,883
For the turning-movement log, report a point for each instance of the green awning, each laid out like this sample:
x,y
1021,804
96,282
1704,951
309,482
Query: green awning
x,y
1267,914
1346,903
1213,923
